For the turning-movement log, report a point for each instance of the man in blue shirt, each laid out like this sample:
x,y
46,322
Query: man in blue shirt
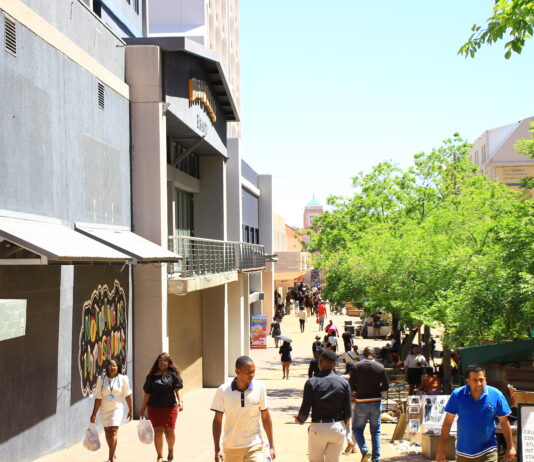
x,y
476,405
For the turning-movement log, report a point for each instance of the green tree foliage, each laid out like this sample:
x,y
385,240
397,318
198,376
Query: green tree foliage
x,y
510,19
437,243
526,147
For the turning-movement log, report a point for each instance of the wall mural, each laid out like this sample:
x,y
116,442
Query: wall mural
x,y
103,334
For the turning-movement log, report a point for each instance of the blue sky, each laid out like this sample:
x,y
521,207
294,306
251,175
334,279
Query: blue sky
x,y
332,88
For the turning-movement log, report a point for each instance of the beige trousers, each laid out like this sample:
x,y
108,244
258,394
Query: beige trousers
x,y
325,441
250,454
488,457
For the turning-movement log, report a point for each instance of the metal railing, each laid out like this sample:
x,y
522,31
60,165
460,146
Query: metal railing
x,y
202,257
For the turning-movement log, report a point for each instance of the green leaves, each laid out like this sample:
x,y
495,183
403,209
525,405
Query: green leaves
x,y
436,243
512,17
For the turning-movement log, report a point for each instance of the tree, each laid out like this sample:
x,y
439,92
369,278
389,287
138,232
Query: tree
x,y
512,18
436,244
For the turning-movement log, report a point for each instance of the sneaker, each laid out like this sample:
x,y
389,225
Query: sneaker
x,y
366,457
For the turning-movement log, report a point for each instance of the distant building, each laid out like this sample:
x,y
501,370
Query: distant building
x,y
493,152
312,209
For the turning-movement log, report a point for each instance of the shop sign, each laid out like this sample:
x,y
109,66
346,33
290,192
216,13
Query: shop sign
x,y
258,332
198,89
526,433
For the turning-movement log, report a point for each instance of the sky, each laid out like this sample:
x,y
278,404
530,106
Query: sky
x,y
329,89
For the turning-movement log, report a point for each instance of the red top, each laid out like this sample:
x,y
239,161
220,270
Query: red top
x,y
321,310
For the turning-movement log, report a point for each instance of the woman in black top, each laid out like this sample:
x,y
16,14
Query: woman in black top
x,y
163,400
275,331
285,357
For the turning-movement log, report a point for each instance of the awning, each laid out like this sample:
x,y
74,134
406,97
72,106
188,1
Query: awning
x,y
35,242
129,243
288,275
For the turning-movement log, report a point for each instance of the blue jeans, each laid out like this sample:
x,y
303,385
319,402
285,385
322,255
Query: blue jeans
x,y
364,412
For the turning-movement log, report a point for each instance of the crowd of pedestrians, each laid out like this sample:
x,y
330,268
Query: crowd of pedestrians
x,y
341,403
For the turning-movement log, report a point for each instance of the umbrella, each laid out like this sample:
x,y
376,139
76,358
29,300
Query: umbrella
x,y
283,338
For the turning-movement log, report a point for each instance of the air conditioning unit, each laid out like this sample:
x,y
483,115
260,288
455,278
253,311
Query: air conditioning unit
x,y
262,295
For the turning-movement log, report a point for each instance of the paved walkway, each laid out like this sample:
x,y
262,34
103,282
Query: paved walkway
x,y
193,428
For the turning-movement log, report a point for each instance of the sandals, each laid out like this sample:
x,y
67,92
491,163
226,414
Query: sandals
x,y
170,458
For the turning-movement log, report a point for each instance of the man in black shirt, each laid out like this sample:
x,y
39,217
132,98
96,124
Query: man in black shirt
x,y
368,379
317,347
313,368
328,397
347,340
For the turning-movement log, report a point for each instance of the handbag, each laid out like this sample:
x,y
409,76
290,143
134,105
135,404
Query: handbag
x,y
91,440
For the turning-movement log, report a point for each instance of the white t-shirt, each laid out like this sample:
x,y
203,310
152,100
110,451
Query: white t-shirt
x,y
413,361
302,314
242,412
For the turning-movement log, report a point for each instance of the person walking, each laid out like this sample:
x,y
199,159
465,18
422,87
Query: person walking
x,y
317,347
302,319
331,329
327,395
110,389
244,403
414,365
285,358
368,379
321,314
347,338
275,331
476,405
163,400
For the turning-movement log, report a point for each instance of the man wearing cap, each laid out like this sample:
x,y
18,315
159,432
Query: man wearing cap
x,y
317,347
244,403
476,405
328,397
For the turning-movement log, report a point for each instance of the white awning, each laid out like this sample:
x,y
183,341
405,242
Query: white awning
x,y
129,243
54,242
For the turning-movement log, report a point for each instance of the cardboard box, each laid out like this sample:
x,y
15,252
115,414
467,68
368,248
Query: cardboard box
x,y
429,447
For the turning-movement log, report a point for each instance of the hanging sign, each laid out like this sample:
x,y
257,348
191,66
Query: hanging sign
x,y
258,332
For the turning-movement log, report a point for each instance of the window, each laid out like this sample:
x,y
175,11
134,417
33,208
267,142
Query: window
x,y
184,214
101,96
10,36
189,164
136,5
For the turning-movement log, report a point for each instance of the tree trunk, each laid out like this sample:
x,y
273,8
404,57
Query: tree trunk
x,y
428,343
446,368
408,343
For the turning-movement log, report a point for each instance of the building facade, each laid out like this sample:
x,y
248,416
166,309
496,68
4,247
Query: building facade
x,y
66,246
494,153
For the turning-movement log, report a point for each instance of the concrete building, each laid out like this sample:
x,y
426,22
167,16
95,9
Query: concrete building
x,y
66,246
213,24
191,186
493,152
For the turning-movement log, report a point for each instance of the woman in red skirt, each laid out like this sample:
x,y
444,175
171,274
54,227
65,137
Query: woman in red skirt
x,y
163,400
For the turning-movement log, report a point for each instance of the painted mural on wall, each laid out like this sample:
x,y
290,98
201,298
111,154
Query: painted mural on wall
x,y
103,334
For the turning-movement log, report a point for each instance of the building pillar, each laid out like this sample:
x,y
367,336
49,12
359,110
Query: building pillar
x,y
236,322
246,315
215,334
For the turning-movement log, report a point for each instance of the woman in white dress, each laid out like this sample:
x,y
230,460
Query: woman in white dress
x,y
111,388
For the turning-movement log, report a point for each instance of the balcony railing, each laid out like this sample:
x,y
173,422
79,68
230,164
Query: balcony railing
x,y
204,257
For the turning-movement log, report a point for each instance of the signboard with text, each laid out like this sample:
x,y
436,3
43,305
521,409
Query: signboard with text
x,y
525,437
258,332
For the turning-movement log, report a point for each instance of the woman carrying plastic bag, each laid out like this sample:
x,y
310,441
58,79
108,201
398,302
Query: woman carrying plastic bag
x,y
110,391
91,440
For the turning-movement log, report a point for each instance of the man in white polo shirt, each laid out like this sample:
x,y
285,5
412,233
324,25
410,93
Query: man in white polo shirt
x,y
243,401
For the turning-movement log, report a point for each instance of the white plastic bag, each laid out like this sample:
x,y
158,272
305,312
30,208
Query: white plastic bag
x,y
145,431
91,440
